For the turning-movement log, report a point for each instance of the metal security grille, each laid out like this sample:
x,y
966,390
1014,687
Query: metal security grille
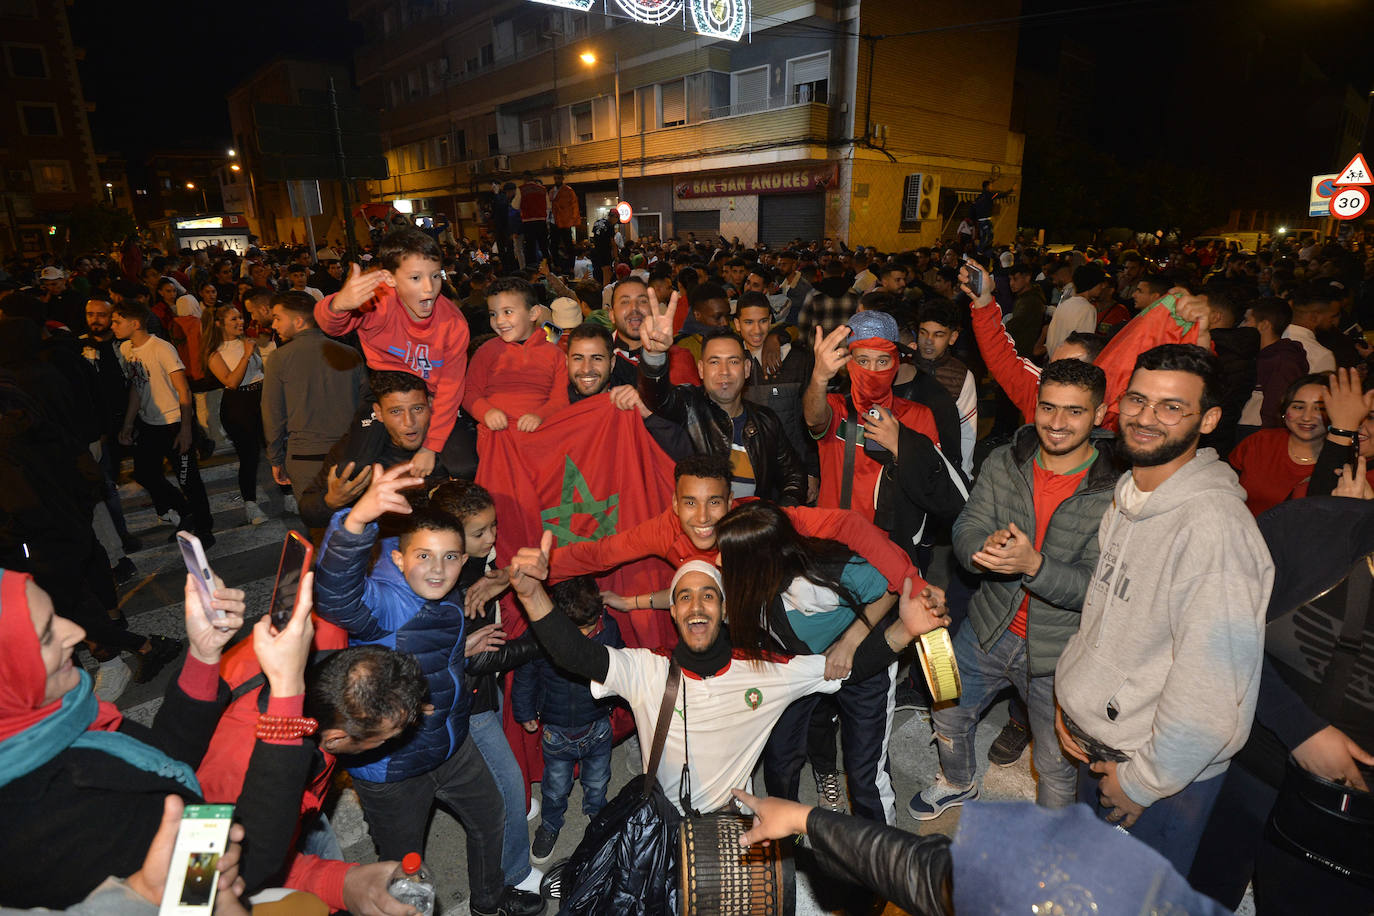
x,y
784,217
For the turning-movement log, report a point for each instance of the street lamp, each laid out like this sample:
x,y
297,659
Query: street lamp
x,y
204,206
109,191
233,152
589,58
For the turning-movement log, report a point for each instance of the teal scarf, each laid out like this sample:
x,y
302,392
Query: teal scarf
x,y
69,727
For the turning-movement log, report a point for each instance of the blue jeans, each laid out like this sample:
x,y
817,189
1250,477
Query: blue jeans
x,y
487,734
561,750
984,674
1171,826
319,839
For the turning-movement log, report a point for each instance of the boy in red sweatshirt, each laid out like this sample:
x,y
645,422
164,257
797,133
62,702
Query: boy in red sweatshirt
x,y
519,376
406,324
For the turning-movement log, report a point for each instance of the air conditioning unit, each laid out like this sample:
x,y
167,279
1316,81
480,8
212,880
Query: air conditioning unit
x,y
920,197
500,163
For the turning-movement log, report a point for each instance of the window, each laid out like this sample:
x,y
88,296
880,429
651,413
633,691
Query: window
x,y
627,112
808,78
581,114
419,154
413,89
26,62
394,93
471,65
461,142
673,98
488,55
52,176
493,144
441,152
39,119
749,91
532,133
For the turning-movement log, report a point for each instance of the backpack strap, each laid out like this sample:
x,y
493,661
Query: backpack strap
x,y
851,442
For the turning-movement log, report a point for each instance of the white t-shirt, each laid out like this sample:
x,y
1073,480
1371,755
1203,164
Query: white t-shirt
x,y
150,369
1072,314
189,306
231,351
582,269
729,716
1319,358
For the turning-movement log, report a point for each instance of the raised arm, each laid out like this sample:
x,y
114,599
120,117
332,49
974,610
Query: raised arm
x,y
569,649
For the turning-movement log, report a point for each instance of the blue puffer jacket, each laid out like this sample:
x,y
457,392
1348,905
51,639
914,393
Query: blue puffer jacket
x,y
380,609
541,691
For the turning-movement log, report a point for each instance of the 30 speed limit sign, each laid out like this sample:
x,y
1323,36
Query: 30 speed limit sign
x,y
1349,202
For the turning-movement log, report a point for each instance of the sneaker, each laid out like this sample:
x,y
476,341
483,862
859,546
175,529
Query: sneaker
x,y
938,798
541,850
255,515
171,517
289,505
163,651
829,793
532,883
513,903
111,678
124,570
534,808
1007,747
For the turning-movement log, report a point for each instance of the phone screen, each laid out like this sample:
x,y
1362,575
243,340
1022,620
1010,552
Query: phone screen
x,y
295,554
193,877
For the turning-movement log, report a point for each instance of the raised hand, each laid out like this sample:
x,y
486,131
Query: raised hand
x,y
530,566
283,654
965,273
656,333
1346,403
207,640
383,496
924,612
831,352
358,289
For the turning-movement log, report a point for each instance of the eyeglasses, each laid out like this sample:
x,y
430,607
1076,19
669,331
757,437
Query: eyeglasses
x,y
1168,413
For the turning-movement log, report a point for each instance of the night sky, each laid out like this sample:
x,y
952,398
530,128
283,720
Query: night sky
x,y
159,76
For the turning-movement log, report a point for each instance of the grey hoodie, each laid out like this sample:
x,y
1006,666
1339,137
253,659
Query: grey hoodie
x,y
1165,666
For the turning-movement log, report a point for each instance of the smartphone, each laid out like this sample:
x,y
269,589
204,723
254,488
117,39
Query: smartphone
x,y
975,275
193,876
869,444
1355,333
193,555
296,555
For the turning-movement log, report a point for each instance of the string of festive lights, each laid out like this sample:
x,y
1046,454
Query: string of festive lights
x,y
724,19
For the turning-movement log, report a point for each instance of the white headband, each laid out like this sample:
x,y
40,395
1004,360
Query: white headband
x,y
700,566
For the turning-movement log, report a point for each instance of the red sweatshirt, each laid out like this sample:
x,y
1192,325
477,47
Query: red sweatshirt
x,y
662,536
435,349
1017,376
831,446
517,378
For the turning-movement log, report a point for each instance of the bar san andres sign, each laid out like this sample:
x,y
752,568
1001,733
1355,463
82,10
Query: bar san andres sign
x,y
801,180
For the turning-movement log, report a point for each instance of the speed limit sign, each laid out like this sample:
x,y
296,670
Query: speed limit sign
x,y
1350,202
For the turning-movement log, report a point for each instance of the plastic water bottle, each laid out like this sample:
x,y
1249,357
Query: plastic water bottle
x,y
412,884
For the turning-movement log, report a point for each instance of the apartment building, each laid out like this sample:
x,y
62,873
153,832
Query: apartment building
x,y
871,122
47,161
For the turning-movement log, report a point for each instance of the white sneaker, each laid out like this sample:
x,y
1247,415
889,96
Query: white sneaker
x,y
111,679
171,517
531,884
290,505
534,808
255,515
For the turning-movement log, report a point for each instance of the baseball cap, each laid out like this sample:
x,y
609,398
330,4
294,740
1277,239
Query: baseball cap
x,y
53,273
867,325
567,312
1008,259
327,254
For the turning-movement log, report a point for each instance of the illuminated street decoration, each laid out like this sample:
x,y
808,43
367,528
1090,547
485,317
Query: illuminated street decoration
x,y
719,18
725,19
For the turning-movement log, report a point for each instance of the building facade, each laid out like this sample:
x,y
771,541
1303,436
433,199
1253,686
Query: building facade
x,y
47,159
802,129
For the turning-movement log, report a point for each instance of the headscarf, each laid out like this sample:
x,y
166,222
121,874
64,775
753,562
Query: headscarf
x,y
31,732
868,387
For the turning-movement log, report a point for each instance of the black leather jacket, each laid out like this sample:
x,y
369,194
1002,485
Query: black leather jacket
x,y
914,872
778,472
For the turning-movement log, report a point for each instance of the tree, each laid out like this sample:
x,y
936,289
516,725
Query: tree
x,y
96,227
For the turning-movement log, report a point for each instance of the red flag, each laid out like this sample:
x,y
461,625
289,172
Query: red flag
x,y
1158,324
589,471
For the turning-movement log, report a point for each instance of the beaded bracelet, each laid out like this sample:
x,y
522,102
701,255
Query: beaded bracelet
x,y
285,728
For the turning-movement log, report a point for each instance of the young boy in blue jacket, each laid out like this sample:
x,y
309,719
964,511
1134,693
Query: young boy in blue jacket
x,y
409,602
577,728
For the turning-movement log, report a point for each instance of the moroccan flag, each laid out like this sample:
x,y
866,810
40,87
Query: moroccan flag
x,y
1158,324
589,471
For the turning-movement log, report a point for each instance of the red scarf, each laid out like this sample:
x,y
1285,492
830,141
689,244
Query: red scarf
x,y
868,387
22,674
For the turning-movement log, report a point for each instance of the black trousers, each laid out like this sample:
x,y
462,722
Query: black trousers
x,y
398,812
563,247
240,413
152,446
536,232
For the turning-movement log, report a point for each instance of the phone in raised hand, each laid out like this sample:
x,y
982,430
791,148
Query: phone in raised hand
x,y
975,275
193,877
296,556
193,555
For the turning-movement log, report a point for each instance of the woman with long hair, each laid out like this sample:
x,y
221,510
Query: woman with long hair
x,y
235,361
1276,464
799,595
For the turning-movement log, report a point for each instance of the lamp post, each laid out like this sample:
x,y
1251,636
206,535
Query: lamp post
x,y
109,191
589,58
204,206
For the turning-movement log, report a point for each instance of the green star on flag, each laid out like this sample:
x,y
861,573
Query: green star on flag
x,y
577,499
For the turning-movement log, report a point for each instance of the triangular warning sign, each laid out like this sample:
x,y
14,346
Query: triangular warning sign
x,y
1357,172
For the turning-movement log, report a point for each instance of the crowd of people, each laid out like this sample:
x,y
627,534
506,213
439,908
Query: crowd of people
x,y
1113,474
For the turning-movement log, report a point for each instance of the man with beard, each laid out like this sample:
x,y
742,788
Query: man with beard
x,y
1030,526
1157,689
631,300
